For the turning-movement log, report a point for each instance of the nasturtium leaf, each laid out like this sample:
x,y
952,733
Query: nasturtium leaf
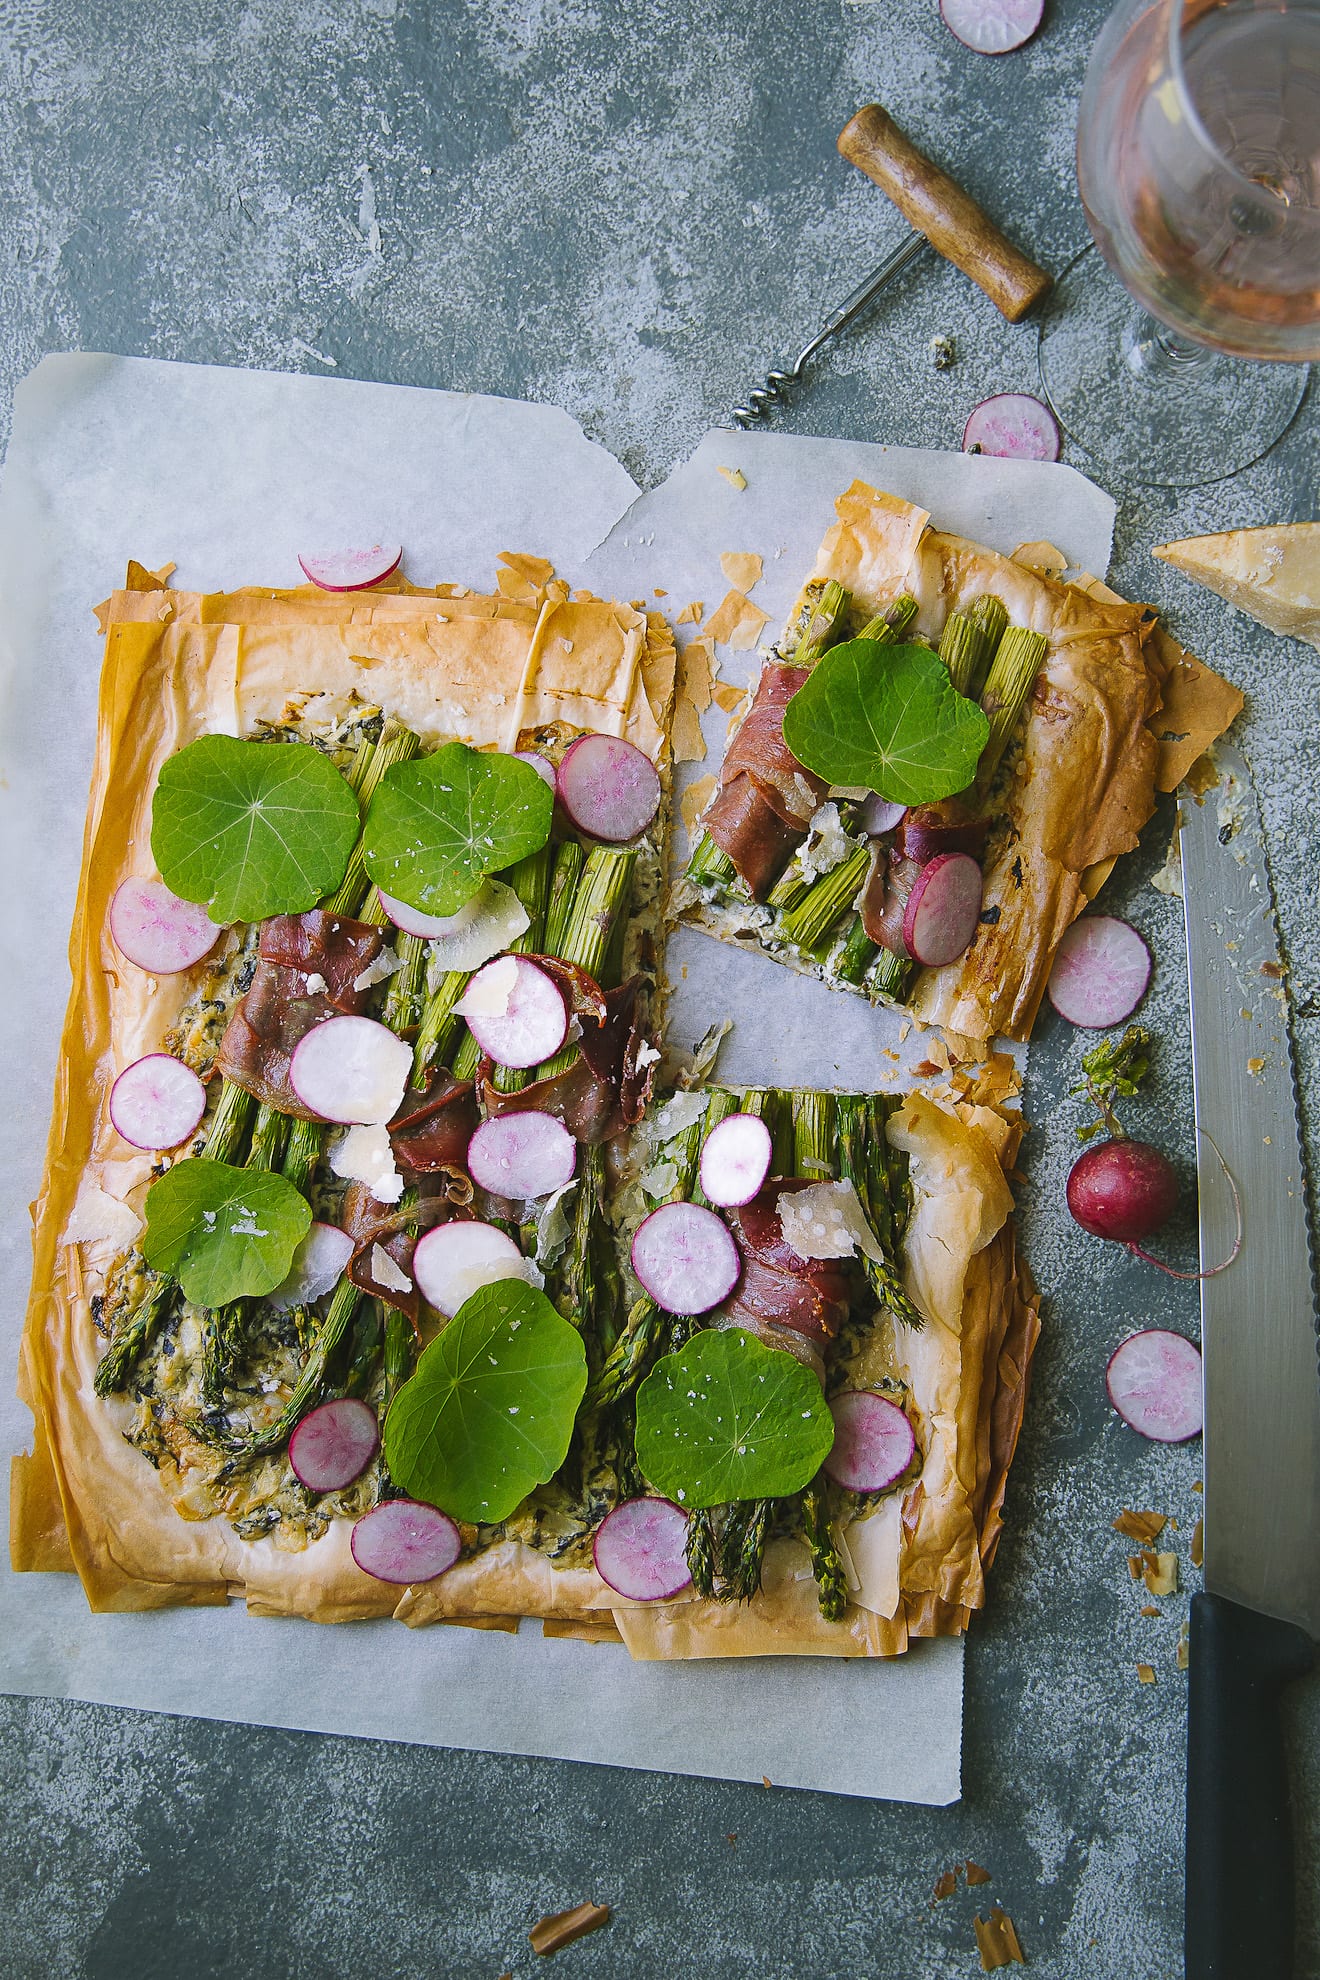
x,y
727,1418
437,826
887,718
489,1412
223,1232
251,829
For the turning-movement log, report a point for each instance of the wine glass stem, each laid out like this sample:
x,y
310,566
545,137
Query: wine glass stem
x,y
1153,352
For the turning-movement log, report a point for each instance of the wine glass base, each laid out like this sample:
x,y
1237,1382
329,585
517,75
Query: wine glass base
x,y
1147,406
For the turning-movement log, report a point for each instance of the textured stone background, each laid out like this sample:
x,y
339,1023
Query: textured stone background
x,y
631,212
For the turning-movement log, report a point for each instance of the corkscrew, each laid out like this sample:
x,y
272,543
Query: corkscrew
x,y
941,216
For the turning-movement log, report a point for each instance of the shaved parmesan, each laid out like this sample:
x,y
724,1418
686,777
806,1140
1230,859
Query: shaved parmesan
x,y
386,964
678,1113
826,1221
364,1155
492,921
659,1180
385,1272
552,1225
98,1216
827,846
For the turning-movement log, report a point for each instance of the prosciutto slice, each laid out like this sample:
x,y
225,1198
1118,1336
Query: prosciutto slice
x,y
885,898
370,1223
780,1293
606,1087
766,799
307,965
431,1131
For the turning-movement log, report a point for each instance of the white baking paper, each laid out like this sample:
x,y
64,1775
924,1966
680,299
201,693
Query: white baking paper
x,y
230,474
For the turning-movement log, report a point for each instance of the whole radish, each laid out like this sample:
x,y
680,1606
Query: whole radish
x,y
1121,1189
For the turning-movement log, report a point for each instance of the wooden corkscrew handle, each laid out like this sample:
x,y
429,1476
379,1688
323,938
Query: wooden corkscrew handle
x,y
936,206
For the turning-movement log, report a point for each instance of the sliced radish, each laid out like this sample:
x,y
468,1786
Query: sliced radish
x,y
334,1444
403,1540
992,27
1013,426
413,922
1101,969
873,1442
515,1012
878,815
686,1258
609,787
943,909
319,1263
1154,1382
351,1069
522,1155
542,765
640,1550
157,1101
353,570
455,1260
156,930
735,1160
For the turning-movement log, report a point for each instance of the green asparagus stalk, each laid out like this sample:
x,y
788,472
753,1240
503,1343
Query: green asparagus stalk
x,y
398,1354
1012,676
857,954
302,1152
889,978
889,626
600,902
856,1124
339,1318
742,1549
822,626
710,866
396,745
826,900
968,643
569,861
403,999
831,1582
791,887
364,1348
439,1027
700,1550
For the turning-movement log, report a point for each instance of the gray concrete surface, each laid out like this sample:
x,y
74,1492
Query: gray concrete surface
x,y
631,211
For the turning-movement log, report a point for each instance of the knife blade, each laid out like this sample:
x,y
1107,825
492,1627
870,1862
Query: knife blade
x,y
1253,1629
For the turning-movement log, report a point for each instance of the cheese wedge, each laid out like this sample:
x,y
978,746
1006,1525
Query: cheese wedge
x,y
1271,573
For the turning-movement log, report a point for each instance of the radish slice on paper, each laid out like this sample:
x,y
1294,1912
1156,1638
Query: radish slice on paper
x,y
455,1260
735,1160
542,765
878,815
319,1263
992,27
334,1444
873,1442
1154,1382
515,1012
156,930
1013,426
351,1069
639,1550
943,909
685,1257
522,1155
353,570
608,787
414,922
157,1101
403,1540
1101,969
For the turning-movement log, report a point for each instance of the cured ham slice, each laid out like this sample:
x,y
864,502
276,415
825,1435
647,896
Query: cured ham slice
x,y
766,798
780,1291
307,970
605,1088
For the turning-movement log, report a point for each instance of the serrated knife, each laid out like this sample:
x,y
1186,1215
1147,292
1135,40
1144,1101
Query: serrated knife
x,y
1255,1627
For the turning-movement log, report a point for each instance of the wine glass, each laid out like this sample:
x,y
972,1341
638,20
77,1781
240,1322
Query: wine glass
x,y
1198,161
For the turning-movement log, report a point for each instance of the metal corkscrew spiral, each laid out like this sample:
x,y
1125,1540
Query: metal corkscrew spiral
x,y
763,399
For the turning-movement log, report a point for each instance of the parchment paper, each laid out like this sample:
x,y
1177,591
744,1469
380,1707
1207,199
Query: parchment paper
x,y
230,474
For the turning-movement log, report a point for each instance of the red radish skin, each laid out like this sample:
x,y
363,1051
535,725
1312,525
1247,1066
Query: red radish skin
x,y
608,787
1122,1190
454,1260
1154,1382
542,765
873,1441
334,1444
353,570
522,1155
157,1101
735,1160
943,909
639,1550
413,922
534,1022
319,1263
879,815
686,1258
992,27
156,930
1100,973
405,1541
1014,427
351,1070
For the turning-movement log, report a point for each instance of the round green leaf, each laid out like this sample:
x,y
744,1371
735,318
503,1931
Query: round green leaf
x,y
489,1412
223,1232
436,827
887,718
251,829
727,1418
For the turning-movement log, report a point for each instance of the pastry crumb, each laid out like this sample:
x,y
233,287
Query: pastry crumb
x,y
997,1940
743,568
1145,1674
977,1873
946,1884
734,476
560,1928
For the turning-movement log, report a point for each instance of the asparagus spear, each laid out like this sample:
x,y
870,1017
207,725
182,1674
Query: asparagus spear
x,y
888,626
710,866
968,643
365,1346
599,903
340,1315
396,745
857,954
884,1276
398,1354
1012,676
828,897
831,1582
889,977
569,861
403,999
700,1551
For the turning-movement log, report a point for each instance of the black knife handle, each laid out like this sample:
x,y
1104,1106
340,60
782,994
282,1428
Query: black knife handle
x,y
1239,1920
